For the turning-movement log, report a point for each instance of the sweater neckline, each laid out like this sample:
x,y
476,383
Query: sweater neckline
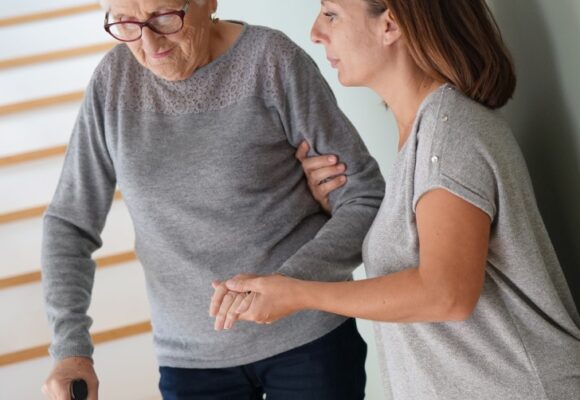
x,y
226,54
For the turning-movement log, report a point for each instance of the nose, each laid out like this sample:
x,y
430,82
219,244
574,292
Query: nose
x,y
315,33
148,37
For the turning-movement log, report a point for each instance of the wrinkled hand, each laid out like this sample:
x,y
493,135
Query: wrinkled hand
x,y
324,174
224,304
57,385
271,297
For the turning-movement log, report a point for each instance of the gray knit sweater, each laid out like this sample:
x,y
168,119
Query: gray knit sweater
x,y
206,168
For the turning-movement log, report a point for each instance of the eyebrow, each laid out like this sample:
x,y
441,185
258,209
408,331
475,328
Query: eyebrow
x,y
117,16
152,14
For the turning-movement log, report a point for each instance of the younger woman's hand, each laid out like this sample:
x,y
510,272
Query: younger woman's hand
x,y
324,174
268,298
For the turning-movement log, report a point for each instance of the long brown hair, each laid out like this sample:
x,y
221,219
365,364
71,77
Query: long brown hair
x,y
456,41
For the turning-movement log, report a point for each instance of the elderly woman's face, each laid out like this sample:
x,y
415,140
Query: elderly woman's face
x,y
172,57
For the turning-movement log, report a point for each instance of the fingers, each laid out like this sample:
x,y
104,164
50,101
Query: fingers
x,y
314,163
93,391
56,390
320,175
57,385
323,190
242,284
232,315
220,318
302,151
245,305
226,300
220,291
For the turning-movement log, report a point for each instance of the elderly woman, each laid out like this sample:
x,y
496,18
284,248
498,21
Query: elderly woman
x,y
469,297
197,121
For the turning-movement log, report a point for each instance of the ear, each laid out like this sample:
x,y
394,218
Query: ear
x,y
391,31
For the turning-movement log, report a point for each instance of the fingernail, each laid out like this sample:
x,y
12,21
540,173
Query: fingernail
x,y
332,159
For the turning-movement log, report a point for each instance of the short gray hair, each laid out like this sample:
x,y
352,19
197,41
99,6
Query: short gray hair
x,y
105,3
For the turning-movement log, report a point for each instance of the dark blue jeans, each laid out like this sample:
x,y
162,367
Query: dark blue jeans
x,y
329,368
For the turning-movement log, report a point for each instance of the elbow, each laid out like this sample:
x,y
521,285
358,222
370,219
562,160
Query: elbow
x,y
455,306
460,312
451,299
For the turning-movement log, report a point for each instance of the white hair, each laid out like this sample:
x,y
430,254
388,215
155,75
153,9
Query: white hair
x,y
105,3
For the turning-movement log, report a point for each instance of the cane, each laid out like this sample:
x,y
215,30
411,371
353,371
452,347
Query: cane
x,y
79,390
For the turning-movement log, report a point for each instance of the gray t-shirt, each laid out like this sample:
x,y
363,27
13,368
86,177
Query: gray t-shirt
x,y
207,170
522,341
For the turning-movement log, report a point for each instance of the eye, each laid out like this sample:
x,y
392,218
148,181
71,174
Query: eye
x,y
331,16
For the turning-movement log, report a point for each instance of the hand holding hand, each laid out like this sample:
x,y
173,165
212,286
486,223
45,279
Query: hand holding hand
x,y
224,304
272,297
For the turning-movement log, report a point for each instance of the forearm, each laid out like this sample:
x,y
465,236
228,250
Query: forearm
x,y
335,251
67,278
405,296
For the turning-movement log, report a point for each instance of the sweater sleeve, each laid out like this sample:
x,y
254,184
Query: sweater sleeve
x,y
310,112
71,233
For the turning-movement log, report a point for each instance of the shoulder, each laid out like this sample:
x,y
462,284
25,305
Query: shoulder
x,y
275,48
272,40
116,63
462,146
450,119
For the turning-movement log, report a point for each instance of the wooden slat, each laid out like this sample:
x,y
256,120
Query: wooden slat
x,y
116,259
40,16
20,215
56,55
32,155
34,277
98,338
34,212
19,280
42,102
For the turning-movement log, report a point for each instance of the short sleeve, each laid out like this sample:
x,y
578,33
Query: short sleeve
x,y
455,159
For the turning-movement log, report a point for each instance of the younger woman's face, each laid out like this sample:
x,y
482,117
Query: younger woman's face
x,y
352,39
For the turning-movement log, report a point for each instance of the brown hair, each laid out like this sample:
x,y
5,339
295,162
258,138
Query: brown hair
x,y
456,41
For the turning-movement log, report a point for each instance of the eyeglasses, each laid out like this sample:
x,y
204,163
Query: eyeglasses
x,y
162,24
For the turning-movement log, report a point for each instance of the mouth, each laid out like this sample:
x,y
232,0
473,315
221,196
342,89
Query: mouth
x,y
333,61
161,54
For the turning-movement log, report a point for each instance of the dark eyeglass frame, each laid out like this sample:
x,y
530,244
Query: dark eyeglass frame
x,y
181,14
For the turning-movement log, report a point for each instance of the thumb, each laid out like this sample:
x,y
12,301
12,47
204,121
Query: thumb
x,y
302,151
241,285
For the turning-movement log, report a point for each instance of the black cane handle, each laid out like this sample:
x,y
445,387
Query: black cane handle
x,y
79,390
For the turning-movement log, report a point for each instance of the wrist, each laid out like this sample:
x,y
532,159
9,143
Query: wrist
x,y
305,295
